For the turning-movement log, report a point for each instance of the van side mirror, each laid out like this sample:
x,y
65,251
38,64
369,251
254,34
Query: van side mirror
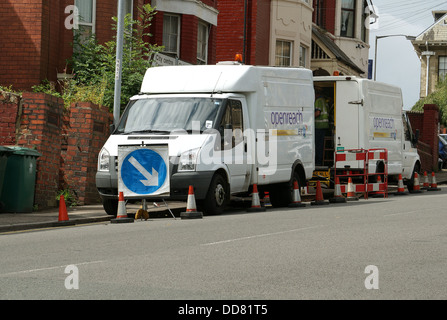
x,y
416,137
112,128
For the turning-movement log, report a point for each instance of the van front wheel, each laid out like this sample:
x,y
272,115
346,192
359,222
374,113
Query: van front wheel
x,y
217,196
110,206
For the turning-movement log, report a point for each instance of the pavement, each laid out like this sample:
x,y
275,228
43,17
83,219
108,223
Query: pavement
x,y
13,222
49,218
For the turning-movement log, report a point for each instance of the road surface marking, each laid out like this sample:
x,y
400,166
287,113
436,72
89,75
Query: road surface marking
x,y
259,236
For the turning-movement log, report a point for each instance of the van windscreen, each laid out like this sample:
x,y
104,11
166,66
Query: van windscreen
x,y
163,115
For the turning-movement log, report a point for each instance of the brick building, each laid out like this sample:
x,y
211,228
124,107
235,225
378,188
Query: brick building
x,y
431,49
265,32
340,39
37,35
186,29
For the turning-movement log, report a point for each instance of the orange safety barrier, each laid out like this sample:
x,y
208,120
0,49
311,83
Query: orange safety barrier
x,y
366,186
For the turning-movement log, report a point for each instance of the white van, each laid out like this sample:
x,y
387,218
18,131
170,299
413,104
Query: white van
x,y
220,128
365,114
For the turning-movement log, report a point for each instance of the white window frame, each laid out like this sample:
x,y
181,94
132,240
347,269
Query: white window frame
x,y
202,57
91,24
303,56
177,53
442,71
352,13
281,55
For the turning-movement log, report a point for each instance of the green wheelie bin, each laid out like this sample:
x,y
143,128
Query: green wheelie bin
x,y
4,154
19,180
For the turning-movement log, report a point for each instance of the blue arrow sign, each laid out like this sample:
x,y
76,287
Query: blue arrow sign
x,y
143,171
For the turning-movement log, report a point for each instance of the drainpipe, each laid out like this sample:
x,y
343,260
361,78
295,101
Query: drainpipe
x,y
428,54
245,31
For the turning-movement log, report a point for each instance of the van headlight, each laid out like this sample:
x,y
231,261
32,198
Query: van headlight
x,y
188,160
104,160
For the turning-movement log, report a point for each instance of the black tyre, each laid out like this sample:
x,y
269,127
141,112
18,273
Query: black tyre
x,y
217,197
282,195
110,206
410,183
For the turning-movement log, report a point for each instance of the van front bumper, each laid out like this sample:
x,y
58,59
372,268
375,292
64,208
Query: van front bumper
x,y
107,185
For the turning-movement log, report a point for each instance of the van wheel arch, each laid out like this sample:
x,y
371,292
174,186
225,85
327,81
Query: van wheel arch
x,y
416,168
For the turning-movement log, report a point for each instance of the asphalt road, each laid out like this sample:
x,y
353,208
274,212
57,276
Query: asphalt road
x,y
315,253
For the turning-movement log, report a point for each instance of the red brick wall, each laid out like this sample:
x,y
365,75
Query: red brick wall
x,y
260,35
328,14
230,34
86,128
188,42
35,44
40,129
9,108
69,141
21,43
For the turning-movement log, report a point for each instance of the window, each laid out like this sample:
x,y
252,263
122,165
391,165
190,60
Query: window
x,y
87,17
303,56
231,127
347,18
283,54
320,13
202,43
171,32
442,69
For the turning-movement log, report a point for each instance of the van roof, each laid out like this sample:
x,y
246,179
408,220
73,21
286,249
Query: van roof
x,y
361,81
215,78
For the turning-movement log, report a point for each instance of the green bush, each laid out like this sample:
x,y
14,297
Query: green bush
x,y
94,64
438,97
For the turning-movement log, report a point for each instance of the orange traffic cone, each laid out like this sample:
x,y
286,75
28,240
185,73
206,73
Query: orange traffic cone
x,y
319,199
255,202
191,208
338,197
380,193
296,198
400,187
416,184
433,185
121,216
266,199
63,215
426,184
351,196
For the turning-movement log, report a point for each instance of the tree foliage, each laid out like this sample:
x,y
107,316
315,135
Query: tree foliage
x,y
94,64
438,97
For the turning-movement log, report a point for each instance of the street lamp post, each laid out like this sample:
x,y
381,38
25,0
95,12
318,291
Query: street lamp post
x,y
386,36
119,62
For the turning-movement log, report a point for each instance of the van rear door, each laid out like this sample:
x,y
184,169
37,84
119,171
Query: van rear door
x,y
347,115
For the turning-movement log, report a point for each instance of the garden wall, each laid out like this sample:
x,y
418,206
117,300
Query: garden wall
x,y
69,141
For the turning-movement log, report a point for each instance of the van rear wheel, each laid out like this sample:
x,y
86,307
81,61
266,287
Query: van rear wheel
x,y
217,196
282,196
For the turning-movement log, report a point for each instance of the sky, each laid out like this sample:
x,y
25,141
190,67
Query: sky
x,y
397,62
